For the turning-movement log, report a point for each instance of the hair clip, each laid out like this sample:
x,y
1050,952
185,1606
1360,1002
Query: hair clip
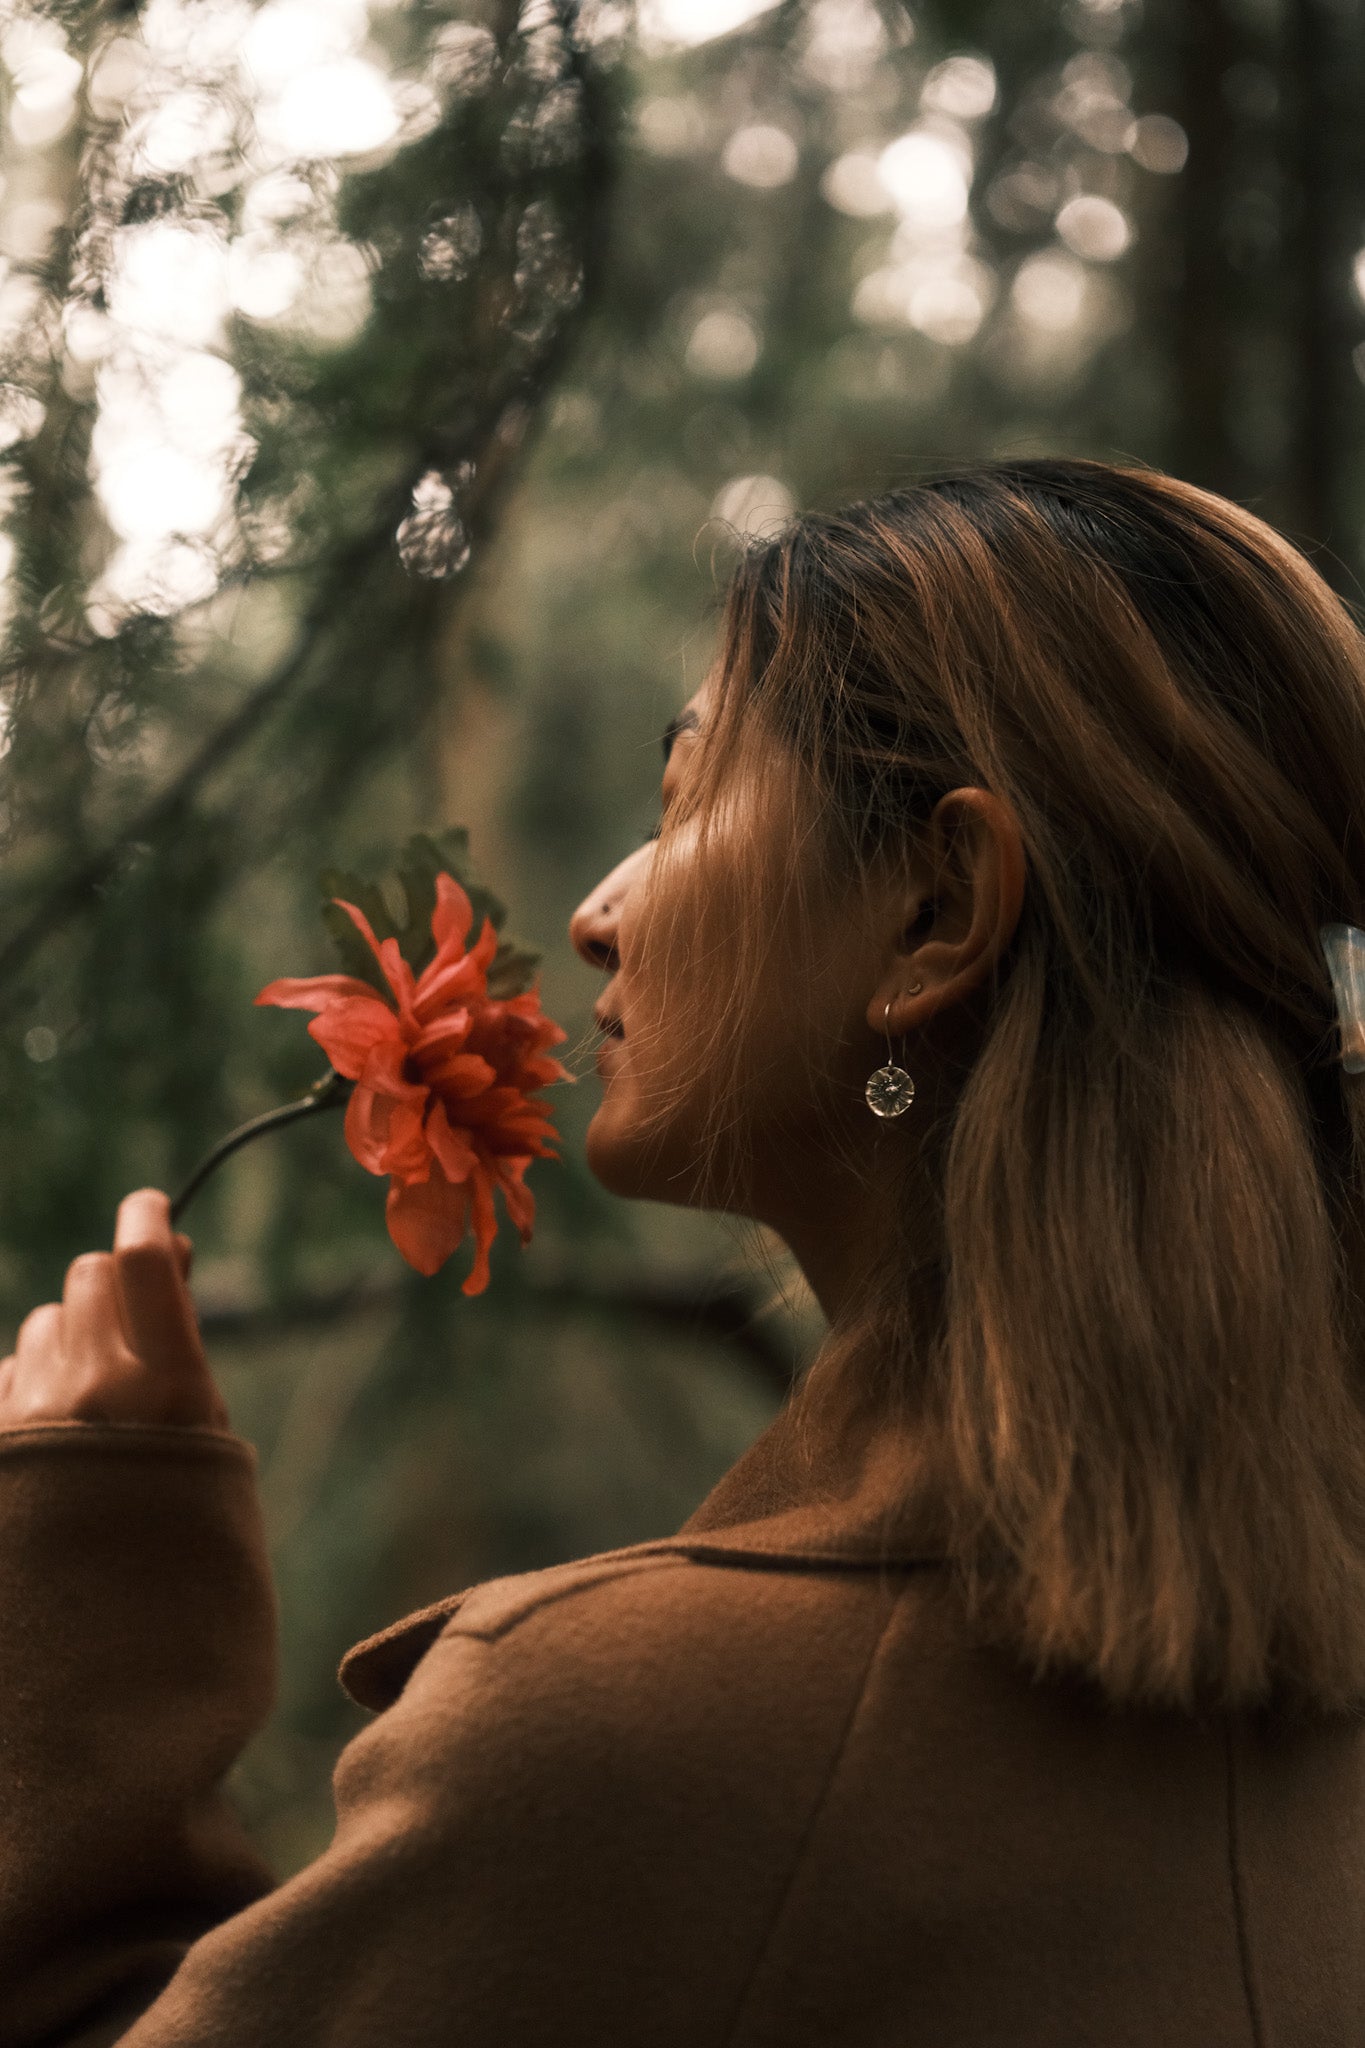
x,y
1343,946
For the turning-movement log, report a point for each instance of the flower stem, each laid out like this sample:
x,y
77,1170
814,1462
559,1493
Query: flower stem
x,y
326,1093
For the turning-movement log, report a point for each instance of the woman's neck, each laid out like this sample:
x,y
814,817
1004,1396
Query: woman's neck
x,y
843,1241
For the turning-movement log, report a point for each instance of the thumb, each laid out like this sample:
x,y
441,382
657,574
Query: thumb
x,y
184,1254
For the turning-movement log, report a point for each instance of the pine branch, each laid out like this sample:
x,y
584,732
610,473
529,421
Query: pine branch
x,y
496,452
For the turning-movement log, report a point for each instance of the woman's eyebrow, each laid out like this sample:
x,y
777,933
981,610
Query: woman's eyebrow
x,y
686,721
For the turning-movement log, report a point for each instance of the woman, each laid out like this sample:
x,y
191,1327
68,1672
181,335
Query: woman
x,y
1008,1689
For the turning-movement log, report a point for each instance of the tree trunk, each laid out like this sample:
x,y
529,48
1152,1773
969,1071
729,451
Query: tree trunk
x,y
1205,288
1326,163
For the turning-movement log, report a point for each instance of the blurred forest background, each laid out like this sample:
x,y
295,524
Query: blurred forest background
x,y
384,390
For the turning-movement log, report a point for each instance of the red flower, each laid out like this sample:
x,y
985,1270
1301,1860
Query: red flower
x,y
442,1080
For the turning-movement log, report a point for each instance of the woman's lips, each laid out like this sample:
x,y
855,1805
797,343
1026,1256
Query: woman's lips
x,y
608,1053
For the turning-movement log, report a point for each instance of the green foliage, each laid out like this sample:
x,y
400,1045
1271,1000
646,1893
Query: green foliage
x,y
423,858
175,760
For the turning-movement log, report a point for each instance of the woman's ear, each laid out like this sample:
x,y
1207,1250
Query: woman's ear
x,y
974,851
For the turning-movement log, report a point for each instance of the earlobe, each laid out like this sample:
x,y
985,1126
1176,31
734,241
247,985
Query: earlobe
x,y
889,1012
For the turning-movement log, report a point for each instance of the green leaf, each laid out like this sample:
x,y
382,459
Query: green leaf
x,y
368,897
485,905
425,856
356,957
451,848
417,879
512,971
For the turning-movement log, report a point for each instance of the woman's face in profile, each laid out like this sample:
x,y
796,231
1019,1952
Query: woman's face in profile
x,y
605,932
801,1014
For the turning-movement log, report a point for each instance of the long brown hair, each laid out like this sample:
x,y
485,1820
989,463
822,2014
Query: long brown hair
x,y
1145,1387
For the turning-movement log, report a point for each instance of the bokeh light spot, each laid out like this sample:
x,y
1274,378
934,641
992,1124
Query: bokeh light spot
x,y
1094,228
1159,144
1049,290
961,86
338,109
169,278
853,184
926,179
675,23
761,155
723,345
755,506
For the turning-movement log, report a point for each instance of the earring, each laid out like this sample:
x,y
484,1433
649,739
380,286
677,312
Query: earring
x,y
890,1091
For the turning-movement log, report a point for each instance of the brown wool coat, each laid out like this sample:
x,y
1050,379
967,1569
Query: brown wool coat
x,y
747,1787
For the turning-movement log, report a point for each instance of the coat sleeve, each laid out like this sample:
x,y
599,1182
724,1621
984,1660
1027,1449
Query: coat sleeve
x,y
556,1832
137,1658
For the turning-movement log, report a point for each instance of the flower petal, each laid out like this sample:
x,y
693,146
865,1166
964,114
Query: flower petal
x,y
397,973
460,1077
542,1030
450,1030
450,1145
349,1029
521,1203
386,1136
367,1127
506,1121
450,921
385,1069
426,1220
446,982
453,915
384,1117
313,992
485,1229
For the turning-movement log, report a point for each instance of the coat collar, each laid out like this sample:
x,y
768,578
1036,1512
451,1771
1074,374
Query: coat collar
x,y
833,1480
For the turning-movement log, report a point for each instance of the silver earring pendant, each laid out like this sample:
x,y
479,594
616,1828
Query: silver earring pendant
x,y
890,1091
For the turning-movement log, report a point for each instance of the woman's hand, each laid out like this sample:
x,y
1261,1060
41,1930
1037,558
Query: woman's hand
x,y
122,1345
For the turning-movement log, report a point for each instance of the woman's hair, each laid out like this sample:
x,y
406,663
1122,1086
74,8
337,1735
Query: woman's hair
x,y
1144,1384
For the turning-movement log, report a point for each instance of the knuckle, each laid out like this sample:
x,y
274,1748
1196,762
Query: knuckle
x,y
37,1321
119,1390
142,1261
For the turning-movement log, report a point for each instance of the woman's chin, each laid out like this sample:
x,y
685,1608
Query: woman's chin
x,y
612,1158
629,1161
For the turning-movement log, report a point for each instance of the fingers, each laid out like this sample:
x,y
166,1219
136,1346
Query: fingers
x,y
157,1313
38,1349
92,1317
123,1343
144,1217
93,1336
150,1265
31,1376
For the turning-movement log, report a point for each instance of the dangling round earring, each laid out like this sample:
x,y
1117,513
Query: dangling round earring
x,y
890,1091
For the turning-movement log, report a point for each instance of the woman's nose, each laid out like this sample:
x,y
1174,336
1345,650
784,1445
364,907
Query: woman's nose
x,y
593,926
592,930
